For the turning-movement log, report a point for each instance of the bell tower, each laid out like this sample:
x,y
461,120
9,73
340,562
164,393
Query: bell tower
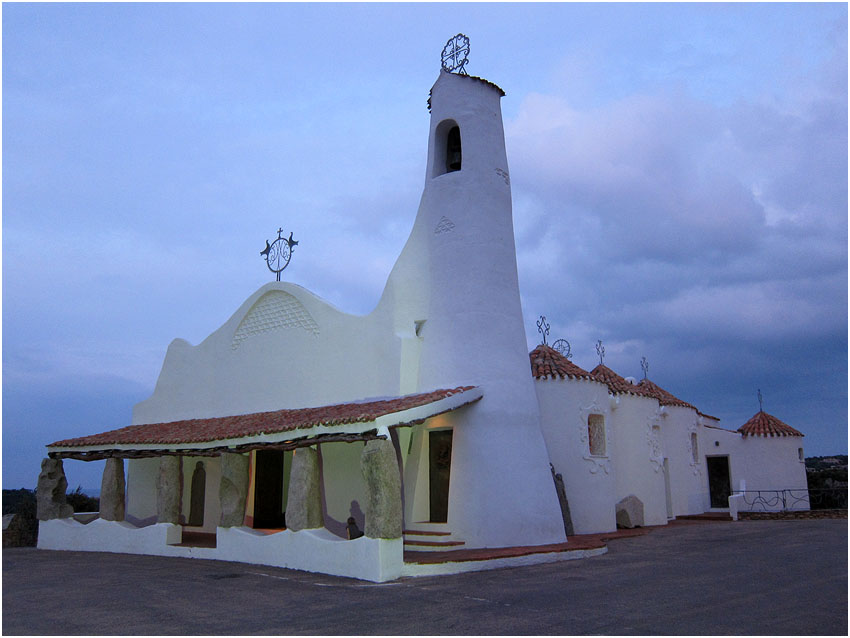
x,y
458,272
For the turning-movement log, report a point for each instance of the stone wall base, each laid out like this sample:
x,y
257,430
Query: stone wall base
x,y
791,515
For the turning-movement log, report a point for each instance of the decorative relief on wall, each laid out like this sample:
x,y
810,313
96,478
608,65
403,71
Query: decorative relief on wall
x,y
273,311
692,448
653,440
656,455
504,175
445,225
599,428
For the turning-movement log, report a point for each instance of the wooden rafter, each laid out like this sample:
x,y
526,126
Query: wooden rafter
x,y
99,455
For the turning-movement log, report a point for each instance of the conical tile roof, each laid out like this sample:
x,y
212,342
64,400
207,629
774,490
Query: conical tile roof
x,y
764,424
617,384
546,362
664,397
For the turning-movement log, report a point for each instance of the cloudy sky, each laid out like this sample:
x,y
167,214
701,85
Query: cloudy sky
x,y
679,176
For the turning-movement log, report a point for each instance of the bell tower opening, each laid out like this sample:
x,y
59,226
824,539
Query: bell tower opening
x,y
453,150
448,154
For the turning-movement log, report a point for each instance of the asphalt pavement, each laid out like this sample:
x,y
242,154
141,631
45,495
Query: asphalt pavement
x,y
744,578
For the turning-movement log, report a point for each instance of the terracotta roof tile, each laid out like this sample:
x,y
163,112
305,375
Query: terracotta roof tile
x,y
229,427
617,384
664,397
546,362
764,424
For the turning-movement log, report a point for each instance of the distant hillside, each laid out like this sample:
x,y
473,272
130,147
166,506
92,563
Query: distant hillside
x,y
834,462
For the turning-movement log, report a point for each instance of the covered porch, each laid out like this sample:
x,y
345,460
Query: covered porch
x,y
317,489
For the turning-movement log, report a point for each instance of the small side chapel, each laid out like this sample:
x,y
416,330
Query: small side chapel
x,y
426,431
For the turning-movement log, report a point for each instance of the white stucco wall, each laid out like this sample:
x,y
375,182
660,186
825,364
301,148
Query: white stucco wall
x,y
377,560
212,503
344,490
283,348
638,454
758,462
588,480
687,476
141,480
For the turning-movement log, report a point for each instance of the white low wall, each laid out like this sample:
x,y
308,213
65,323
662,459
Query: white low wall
x,y
376,560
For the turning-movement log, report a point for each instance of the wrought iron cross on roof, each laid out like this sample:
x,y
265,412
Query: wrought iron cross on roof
x,y
455,54
600,350
563,347
644,365
278,253
761,408
543,328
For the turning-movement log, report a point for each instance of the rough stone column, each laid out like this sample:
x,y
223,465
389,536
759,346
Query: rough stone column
x,y
51,500
169,489
233,489
304,500
112,490
379,466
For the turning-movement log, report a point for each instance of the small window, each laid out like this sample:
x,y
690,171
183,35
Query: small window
x,y
694,447
596,434
800,455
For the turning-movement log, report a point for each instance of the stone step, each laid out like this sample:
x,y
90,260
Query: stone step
x,y
707,516
431,546
421,532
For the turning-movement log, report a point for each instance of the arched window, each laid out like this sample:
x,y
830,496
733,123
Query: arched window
x,y
448,151
596,434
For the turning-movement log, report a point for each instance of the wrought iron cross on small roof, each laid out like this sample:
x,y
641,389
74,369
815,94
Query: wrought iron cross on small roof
x,y
600,350
644,365
761,409
543,328
563,347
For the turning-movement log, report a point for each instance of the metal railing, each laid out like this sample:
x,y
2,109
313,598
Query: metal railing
x,y
794,499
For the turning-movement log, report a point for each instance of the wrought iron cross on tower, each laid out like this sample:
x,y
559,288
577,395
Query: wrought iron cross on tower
x,y
455,54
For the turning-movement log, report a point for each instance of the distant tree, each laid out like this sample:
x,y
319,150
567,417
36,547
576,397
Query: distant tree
x,y
828,488
83,502
23,503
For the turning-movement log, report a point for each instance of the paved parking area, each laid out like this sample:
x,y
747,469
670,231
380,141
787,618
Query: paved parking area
x,y
755,577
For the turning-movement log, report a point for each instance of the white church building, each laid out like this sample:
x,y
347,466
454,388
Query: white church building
x,y
424,425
